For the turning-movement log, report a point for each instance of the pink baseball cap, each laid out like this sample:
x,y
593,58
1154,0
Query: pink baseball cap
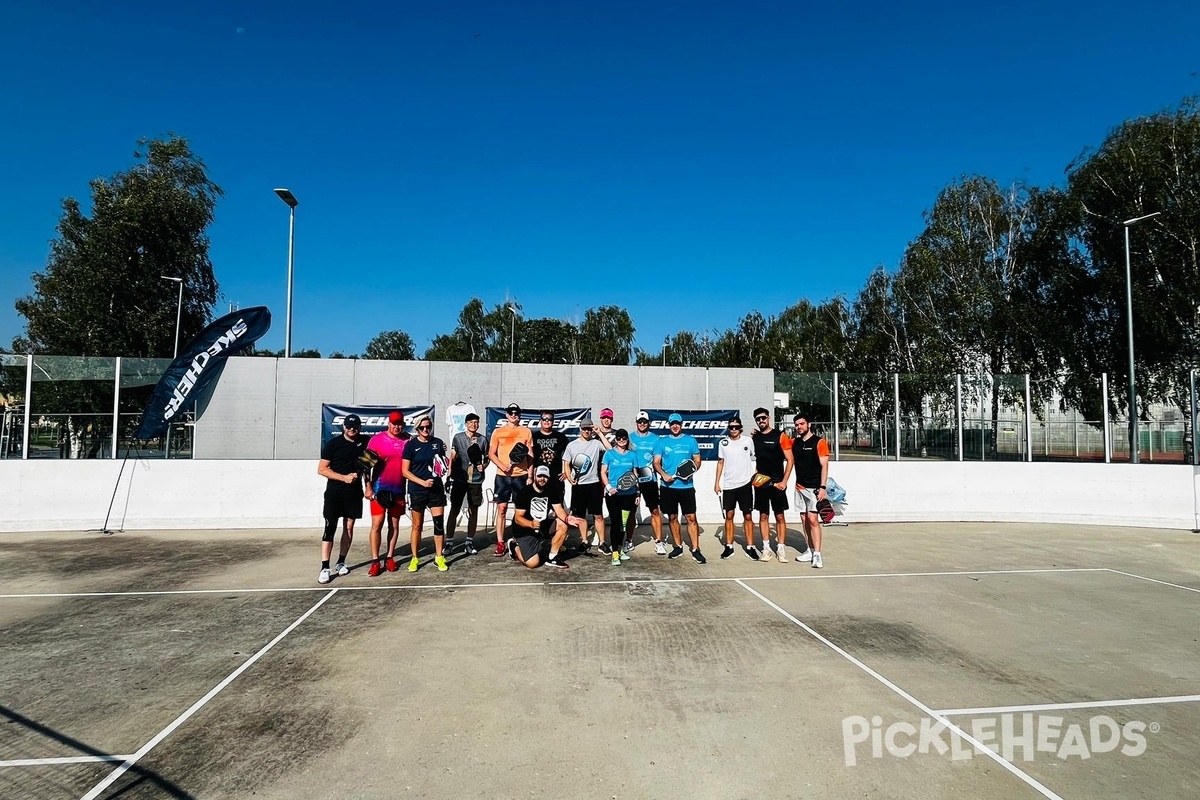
x,y
606,412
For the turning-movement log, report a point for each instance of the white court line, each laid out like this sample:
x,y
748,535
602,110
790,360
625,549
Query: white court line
x,y
199,704
1154,580
979,746
507,584
38,762
1136,701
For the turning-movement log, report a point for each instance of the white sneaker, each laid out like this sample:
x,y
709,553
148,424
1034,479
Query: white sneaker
x,y
817,562
341,568
805,557
781,552
660,548
324,577
768,554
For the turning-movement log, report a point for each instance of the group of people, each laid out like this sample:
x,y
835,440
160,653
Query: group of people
x,y
607,469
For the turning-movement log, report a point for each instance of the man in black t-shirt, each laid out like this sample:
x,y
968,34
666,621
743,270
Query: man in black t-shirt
x,y
343,492
773,456
549,446
540,518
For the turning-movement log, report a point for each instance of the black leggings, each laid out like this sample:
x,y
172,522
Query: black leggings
x,y
618,503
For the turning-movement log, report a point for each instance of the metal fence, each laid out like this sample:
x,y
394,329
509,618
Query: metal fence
x,y
970,418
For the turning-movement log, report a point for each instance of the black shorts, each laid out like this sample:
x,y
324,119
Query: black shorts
x,y
676,500
742,497
473,492
620,502
587,498
420,498
649,493
530,545
768,497
343,503
506,487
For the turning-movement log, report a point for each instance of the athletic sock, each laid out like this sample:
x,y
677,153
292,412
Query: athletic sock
x,y
325,564
553,554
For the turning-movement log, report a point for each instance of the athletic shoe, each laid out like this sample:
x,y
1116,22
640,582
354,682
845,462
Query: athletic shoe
x,y
696,554
557,563
781,553
341,568
448,547
817,562
660,548
375,569
606,548
324,576
512,549
390,564
750,552
805,557
501,550
627,547
470,548
440,561
727,552
413,564
676,552
768,554
624,556
616,560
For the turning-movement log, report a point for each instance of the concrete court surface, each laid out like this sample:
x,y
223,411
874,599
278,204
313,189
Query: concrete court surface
x,y
211,665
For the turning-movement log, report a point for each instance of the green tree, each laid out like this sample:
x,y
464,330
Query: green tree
x,y
101,293
1146,165
606,336
391,346
546,341
480,335
309,353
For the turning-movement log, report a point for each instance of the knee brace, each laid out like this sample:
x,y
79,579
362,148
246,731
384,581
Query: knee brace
x,y
439,529
330,527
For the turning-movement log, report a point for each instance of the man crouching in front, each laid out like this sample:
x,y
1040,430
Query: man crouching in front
x,y
540,519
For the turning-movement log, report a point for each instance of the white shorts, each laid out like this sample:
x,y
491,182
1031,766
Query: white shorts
x,y
806,500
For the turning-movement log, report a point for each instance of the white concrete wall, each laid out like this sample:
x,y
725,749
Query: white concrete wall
x,y
75,495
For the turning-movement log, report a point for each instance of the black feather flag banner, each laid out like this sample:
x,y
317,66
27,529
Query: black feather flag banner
x,y
198,365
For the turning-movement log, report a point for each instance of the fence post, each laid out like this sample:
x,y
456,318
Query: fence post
x,y
116,409
837,432
1104,407
1028,423
28,403
1192,405
958,411
896,387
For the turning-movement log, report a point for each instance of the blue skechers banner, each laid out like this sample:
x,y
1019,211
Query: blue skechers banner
x,y
374,418
566,420
709,427
198,366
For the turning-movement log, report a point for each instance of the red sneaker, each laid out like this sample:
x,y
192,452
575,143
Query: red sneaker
x,y
501,550
374,570
390,565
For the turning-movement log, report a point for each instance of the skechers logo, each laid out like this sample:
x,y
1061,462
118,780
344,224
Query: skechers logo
x,y
199,364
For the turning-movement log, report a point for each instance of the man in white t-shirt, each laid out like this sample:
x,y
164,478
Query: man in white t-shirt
x,y
735,474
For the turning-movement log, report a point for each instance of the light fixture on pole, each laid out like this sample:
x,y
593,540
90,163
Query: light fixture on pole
x,y
1133,412
512,334
178,310
289,198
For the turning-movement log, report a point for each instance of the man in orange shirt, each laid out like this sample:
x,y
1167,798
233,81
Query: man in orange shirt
x,y
811,456
512,474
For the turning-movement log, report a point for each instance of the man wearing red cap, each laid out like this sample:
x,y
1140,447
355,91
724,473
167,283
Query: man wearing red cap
x,y
386,491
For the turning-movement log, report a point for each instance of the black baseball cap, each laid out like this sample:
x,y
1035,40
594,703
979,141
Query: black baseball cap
x,y
352,421
513,408
472,417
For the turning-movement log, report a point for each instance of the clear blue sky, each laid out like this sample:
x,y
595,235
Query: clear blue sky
x,y
689,161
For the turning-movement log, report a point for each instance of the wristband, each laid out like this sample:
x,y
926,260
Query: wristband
x,y
820,487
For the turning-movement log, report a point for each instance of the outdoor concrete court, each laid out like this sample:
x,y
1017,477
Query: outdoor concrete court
x,y
211,665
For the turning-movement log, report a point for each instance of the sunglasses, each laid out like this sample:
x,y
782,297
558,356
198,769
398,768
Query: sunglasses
x,y
622,438
589,430
761,419
424,428
643,422
513,413
735,427
547,419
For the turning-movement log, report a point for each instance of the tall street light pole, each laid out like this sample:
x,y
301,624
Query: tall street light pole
x,y
666,341
512,335
178,310
1133,412
289,198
